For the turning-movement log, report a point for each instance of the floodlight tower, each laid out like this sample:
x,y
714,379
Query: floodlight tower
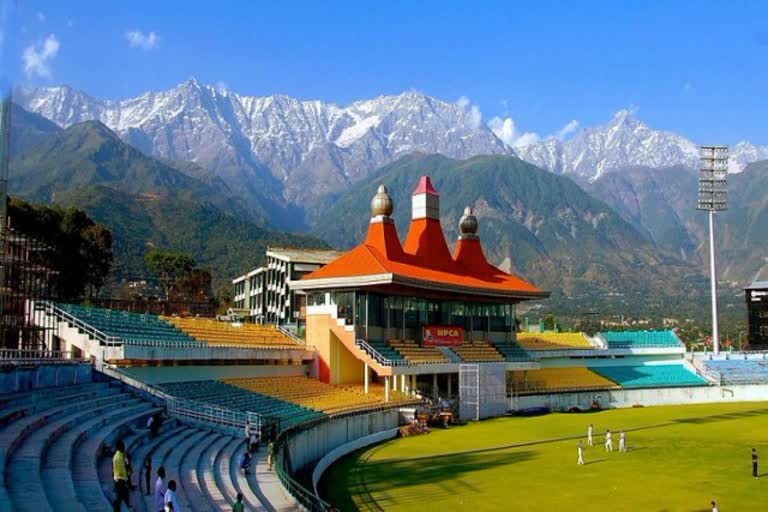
x,y
713,187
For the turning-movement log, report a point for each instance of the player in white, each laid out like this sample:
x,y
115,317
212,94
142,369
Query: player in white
x,y
622,442
589,435
608,441
580,451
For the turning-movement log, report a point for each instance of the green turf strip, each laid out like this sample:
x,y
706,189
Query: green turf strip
x,y
679,459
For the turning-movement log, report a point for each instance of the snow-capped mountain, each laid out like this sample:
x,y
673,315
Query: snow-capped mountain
x,y
744,153
623,142
311,147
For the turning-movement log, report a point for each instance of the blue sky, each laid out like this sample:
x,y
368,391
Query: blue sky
x,y
697,68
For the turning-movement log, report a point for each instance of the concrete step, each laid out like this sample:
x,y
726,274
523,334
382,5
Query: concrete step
x,y
207,473
188,474
161,457
269,486
56,470
23,475
240,481
173,467
221,470
85,472
46,394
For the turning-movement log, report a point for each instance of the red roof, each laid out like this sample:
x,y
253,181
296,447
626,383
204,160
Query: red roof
x,y
425,187
423,260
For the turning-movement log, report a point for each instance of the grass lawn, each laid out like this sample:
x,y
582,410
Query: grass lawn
x,y
679,459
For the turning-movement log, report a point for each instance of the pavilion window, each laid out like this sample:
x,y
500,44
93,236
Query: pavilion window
x,y
413,308
479,318
360,308
498,317
377,312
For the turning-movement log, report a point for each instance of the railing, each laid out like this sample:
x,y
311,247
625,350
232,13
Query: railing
x,y
290,335
376,355
109,341
12,355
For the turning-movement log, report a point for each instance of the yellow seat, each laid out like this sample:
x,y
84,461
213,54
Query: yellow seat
x,y
553,341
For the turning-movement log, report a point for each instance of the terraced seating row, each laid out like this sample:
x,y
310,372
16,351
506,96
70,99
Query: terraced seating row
x,y
651,376
478,351
219,333
131,327
415,353
313,394
553,341
385,350
234,397
511,351
559,379
46,440
740,371
641,339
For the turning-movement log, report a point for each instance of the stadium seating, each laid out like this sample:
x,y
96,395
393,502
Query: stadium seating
x,y
740,371
652,376
385,350
478,351
223,333
640,339
559,379
553,341
130,327
313,394
416,354
511,351
234,397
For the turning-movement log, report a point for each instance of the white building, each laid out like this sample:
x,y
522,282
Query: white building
x,y
266,291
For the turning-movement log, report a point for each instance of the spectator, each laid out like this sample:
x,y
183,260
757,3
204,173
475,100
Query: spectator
x,y
270,454
147,473
120,476
170,496
754,462
160,488
245,462
238,506
714,507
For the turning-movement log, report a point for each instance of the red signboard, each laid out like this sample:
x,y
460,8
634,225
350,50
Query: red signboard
x,y
435,335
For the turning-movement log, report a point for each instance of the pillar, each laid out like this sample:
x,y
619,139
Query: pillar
x,y
366,377
386,389
450,383
412,383
402,382
435,391
394,382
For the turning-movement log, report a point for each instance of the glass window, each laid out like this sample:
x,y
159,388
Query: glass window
x,y
413,312
394,306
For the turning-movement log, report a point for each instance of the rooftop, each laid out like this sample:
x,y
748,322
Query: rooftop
x,y
300,255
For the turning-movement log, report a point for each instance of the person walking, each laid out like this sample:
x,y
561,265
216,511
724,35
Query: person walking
x,y
160,488
622,442
245,462
589,435
147,473
608,441
754,462
270,454
120,476
238,506
714,507
580,452
170,496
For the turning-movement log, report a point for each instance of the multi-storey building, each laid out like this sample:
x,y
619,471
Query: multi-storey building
x,y
265,292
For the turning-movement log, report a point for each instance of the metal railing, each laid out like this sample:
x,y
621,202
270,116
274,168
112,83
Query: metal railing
x,y
376,355
109,341
290,335
12,355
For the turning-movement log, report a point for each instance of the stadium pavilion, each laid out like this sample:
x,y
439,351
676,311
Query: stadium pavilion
x,y
387,308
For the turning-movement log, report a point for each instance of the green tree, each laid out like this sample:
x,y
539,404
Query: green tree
x,y
168,266
549,322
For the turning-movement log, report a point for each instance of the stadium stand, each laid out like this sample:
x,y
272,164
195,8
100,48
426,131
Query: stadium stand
x,y
313,394
234,397
478,351
553,341
652,376
223,333
415,353
130,327
385,351
739,371
559,379
640,339
511,351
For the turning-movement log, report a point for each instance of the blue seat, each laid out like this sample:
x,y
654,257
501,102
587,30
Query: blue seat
x,y
654,376
641,339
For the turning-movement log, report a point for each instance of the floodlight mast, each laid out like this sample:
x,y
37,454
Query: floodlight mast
x,y
713,187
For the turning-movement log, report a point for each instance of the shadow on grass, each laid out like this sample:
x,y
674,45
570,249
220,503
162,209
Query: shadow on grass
x,y
371,481
597,461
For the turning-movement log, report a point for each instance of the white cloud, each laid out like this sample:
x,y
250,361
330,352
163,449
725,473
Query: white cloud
x,y
139,39
473,112
506,130
570,127
37,57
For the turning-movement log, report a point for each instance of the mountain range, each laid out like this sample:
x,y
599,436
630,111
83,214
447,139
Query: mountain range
x,y
280,163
